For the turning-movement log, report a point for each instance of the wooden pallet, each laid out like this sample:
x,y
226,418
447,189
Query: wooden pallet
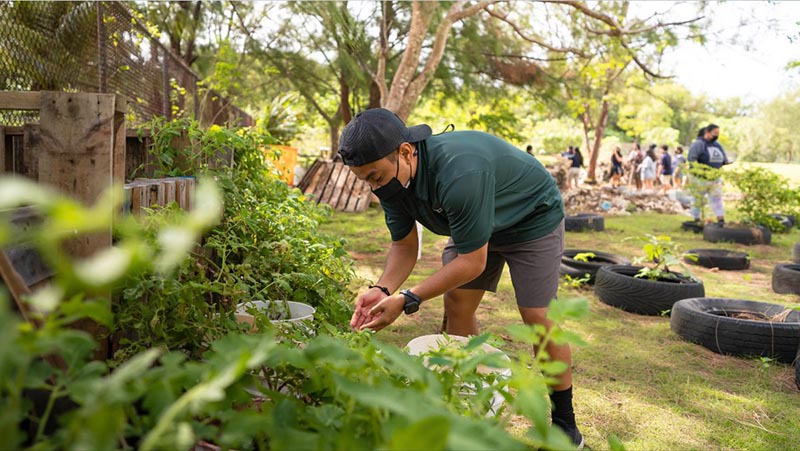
x,y
152,193
335,184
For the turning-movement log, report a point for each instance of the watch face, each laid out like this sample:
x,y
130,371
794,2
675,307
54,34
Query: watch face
x,y
410,307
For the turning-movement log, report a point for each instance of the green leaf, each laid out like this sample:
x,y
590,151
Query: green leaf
x,y
570,308
428,434
615,444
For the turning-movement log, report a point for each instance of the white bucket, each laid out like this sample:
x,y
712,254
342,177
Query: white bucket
x,y
298,312
428,343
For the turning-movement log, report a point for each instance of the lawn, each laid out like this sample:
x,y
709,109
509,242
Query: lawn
x,y
635,379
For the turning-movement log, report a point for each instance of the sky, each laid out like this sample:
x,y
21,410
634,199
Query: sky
x,y
753,66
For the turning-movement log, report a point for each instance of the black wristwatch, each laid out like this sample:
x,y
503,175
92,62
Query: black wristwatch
x,y
412,302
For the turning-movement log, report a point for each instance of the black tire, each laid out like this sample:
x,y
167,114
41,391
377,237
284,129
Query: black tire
x,y
786,223
584,221
692,226
703,321
571,266
617,287
754,235
796,253
792,219
797,369
719,258
575,273
786,278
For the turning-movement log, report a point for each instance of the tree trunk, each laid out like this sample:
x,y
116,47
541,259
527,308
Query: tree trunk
x,y
407,84
345,112
599,131
333,128
587,124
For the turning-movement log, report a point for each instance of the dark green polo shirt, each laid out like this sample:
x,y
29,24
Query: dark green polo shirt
x,y
477,188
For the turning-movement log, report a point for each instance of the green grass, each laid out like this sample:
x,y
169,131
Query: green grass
x,y
635,379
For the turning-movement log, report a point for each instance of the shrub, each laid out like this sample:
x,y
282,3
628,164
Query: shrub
x,y
764,193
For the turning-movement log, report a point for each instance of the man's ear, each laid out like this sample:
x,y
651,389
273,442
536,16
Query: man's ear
x,y
405,151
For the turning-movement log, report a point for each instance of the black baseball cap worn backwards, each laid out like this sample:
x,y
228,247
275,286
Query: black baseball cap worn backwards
x,y
375,133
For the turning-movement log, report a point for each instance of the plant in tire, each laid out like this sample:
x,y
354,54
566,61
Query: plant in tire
x,y
648,290
661,252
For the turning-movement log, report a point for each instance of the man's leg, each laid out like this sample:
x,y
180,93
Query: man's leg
x,y
534,268
715,199
560,353
460,306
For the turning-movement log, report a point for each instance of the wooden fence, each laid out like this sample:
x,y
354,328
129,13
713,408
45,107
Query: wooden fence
x,y
335,184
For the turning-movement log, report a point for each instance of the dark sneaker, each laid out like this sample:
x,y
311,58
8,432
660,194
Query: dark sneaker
x,y
572,432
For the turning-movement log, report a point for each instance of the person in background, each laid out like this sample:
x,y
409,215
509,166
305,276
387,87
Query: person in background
x,y
648,167
666,169
529,149
574,173
705,150
568,153
635,159
616,167
678,163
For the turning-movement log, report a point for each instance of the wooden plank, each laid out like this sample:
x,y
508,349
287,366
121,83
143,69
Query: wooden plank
x,y
75,153
127,199
330,187
324,175
180,192
309,182
169,191
20,100
118,140
191,182
355,193
26,157
364,197
137,197
309,175
343,191
3,149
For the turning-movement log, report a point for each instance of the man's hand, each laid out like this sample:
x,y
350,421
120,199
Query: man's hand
x,y
364,303
385,312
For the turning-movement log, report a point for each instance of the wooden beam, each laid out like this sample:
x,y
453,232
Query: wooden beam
x,y
75,150
2,149
20,100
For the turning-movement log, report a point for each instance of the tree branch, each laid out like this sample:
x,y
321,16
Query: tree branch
x,y
534,40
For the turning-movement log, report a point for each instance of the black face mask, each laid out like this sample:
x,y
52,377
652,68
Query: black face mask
x,y
393,189
713,138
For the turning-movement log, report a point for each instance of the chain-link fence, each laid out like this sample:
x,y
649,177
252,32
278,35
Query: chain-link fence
x,y
100,47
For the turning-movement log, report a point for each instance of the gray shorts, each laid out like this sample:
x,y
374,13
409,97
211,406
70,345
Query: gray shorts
x,y
533,266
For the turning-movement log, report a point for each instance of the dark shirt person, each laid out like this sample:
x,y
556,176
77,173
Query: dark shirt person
x,y
706,150
498,205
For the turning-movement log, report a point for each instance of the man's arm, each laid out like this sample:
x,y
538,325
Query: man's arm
x,y
461,270
694,151
464,268
400,261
